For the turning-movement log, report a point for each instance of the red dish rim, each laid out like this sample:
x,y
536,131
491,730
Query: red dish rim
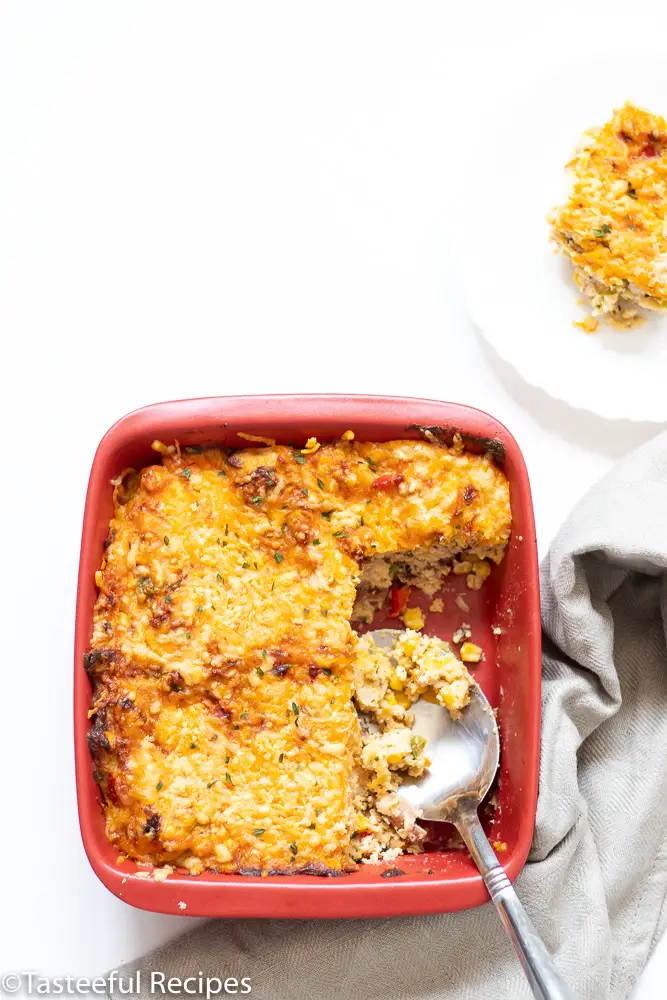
x,y
365,893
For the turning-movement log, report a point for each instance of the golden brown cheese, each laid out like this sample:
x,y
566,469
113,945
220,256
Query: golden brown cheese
x,y
224,734
613,224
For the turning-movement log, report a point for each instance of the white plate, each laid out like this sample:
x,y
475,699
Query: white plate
x,y
519,292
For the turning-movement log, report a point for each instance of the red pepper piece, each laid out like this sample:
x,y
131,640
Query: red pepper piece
x,y
384,482
399,600
648,150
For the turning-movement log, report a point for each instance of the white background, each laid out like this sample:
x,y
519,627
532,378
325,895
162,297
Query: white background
x,y
205,199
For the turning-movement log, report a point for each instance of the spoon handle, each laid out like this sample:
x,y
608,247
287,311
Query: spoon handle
x,y
545,980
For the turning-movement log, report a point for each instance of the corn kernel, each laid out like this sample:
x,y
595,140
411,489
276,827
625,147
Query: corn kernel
x,y
312,444
394,758
413,618
362,823
462,567
470,653
395,683
347,436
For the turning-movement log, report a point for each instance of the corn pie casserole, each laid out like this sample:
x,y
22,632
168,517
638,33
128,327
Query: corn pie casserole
x,y
231,695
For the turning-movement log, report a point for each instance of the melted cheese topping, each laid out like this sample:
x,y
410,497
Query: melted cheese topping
x,y
613,223
224,734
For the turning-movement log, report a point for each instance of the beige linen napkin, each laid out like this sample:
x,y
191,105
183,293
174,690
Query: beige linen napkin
x,y
596,880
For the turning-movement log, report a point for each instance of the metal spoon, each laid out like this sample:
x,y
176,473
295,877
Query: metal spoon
x,y
464,757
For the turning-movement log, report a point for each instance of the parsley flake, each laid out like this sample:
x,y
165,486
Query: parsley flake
x,y
245,565
295,708
311,826
326,514
218,577
280,759
257,499
210,784
278,557
293,848
193,746
228,779
185,473
187,635
300,459
259,671
166,539
159,786
320,484
602,231
340,534
222,472
259,831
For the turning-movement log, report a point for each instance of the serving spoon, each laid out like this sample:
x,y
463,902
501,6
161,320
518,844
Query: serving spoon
x,y
464,756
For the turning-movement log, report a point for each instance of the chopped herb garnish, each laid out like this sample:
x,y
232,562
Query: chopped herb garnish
x,y
295,708
236,726
166,539
340,534
257,499
293,848
632,193
245,565
200,608
273,585
227,760
264,653
222,472
228,780
368,501
311,826
210,784
304,493
325,612
243,715
602,231
372,464
278,557
316,541
218,577
255,565
226,529
326,514
185,473
193,746
301,459
320,484
318,811
187,635
361,522
259,671
280,759
259,831
159,786
167,598
325,670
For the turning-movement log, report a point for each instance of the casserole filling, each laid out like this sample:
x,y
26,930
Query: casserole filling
x,y
225,732
613,225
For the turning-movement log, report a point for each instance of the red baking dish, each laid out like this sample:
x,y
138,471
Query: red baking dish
x,y
504,616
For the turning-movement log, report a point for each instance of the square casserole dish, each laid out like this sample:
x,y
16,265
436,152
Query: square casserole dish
x,y
504,616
